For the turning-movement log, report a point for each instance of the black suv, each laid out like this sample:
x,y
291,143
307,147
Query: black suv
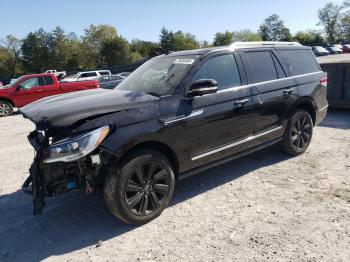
x,y
176,115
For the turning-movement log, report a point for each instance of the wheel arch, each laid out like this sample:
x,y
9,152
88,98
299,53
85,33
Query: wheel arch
x,y
7,100
155,145
307,104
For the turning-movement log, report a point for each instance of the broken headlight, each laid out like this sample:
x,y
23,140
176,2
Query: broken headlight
x,y
76,147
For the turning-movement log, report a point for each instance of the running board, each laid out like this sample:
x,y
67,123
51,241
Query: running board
x,y
226,159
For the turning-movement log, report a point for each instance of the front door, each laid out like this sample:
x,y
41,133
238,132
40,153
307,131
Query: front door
x,y
222,119
29,91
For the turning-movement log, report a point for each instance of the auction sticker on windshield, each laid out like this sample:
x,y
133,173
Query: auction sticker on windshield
x,y
184,61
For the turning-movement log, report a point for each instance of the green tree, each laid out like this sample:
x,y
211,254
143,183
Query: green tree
x,y
246,36
36,52
115,51
223,39
274,29
329,17
146,49
309,38
184,41
166,40
93,40
10,57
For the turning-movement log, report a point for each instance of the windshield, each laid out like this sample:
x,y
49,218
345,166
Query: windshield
x,y
158,76
14,83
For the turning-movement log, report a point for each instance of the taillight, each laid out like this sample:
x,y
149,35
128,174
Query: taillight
x,y
324,81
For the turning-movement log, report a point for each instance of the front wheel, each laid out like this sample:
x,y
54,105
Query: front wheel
x,y
6,108
141,188
298,134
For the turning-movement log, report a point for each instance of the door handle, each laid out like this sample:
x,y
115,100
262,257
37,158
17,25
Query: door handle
x,y
40,90
240,102
288,91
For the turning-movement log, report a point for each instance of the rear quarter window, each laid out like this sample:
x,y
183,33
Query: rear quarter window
x,y
300,62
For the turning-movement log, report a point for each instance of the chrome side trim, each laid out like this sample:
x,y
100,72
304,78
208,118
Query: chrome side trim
x,y
268,82
323,108
193,114
250,138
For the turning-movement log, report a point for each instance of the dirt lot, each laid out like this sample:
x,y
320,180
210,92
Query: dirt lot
x,y
265,206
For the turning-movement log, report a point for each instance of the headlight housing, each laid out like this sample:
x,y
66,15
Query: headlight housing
x,y
75,148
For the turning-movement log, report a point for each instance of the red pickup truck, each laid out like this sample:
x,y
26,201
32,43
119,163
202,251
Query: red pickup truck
x,y
30,88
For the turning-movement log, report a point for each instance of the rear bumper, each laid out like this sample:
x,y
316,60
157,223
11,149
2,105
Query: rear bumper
x,y
321,114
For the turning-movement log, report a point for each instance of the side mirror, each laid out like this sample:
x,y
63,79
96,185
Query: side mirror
x,y
203,87
18,87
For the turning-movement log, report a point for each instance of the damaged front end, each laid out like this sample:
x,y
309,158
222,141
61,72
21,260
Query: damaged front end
x,y
63,165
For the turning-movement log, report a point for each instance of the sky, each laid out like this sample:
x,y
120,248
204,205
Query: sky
x,y
143,19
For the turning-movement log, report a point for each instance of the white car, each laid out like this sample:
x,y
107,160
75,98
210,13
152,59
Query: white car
x,y
89,75
60,74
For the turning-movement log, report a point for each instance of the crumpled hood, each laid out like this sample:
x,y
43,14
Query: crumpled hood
x,y
64,110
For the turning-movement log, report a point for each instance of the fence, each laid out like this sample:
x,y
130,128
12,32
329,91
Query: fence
x,y
338,84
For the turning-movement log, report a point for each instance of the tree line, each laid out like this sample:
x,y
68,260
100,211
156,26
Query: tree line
x,y
101,46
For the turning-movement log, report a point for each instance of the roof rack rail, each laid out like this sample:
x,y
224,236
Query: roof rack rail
x,y
264,43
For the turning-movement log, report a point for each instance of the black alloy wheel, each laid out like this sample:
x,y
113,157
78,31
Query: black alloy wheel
x,y
139,187
147,188
301,132
298,134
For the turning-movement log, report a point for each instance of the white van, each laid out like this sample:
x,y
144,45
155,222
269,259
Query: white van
x,y
88,75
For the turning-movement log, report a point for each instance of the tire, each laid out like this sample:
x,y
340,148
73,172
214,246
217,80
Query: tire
x,y
6,108
298,134
140,188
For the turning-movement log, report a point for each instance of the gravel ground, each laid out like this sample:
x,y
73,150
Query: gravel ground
x,y
265,206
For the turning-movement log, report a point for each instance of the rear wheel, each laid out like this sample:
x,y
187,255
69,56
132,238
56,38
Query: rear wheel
x,y
141,188
6,108
298,134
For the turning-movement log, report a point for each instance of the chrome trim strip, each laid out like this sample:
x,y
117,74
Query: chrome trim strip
x,y
323,108
268,82
250,138
193,114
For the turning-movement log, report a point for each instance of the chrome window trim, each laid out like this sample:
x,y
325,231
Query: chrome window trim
x,y
268,82
250,138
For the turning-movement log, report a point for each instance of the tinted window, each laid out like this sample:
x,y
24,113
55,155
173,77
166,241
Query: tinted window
x,y
47,80
261,66
117,78
29,83
104,73
91,74
300,61
222,69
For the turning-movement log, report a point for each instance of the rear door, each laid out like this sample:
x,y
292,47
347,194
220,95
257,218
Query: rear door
x,y
47,87
273,92
223,118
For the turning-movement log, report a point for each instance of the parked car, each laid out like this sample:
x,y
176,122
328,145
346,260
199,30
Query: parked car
x,y
110,82
89,75
333,50
319,51
338,46
124,74
346,48
202,108
30,88
60,75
